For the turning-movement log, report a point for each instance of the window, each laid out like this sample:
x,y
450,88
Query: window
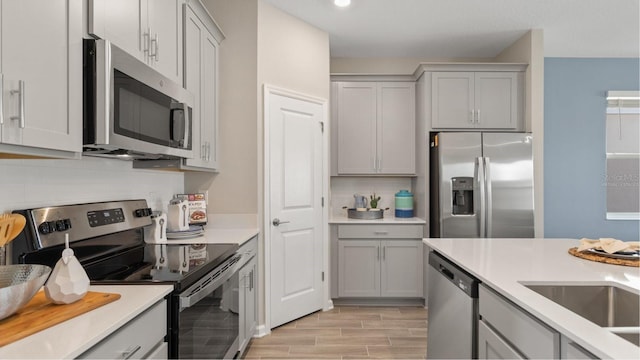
x,y
622,178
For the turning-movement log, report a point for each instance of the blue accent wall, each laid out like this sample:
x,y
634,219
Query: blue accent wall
x,y
574,145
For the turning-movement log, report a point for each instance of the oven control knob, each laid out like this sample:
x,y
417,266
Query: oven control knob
x,y
61,225
44,228
142,212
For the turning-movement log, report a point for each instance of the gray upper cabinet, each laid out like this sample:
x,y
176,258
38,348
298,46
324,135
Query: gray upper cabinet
x,y
374,127
41,85
147,29
477,100
201,43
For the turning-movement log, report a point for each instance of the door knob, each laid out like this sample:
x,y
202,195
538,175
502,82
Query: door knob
x,y
277,222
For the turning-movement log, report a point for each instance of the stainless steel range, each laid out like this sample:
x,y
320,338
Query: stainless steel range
x,y
108,240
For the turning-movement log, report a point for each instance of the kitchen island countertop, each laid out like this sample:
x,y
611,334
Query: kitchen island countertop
x,y
71,338
505,264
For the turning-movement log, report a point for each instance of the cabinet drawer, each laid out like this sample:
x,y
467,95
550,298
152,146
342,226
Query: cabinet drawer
x,y
380,231
249,248
137,337
532,338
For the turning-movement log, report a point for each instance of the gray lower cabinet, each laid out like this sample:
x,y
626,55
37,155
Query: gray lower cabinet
x,y
140,338
247,292
493,346
571,350
380,261
507,331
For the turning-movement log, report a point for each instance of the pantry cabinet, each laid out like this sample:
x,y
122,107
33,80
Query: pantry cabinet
x,y
41,83
380,261
480,100
147,29
201,41
375,127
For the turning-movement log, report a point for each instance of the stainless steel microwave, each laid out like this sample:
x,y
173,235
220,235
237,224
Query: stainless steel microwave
x,y
130,111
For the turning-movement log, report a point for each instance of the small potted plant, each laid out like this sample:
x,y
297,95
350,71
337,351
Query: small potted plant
x,y
373,202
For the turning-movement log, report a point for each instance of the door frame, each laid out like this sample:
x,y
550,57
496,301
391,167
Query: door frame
x,y
273,90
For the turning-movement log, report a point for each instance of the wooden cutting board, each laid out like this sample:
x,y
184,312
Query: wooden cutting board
x,y
40,313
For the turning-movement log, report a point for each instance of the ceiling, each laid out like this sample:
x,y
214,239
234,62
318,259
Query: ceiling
x,y
472,28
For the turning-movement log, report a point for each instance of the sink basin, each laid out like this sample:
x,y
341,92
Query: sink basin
x,y
604,305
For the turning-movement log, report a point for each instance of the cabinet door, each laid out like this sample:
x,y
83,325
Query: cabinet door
x,y
452,100
42,83
358,268
492,346
247,294
396,128
401,269
200,78
356,102
119,21
163,25
496,100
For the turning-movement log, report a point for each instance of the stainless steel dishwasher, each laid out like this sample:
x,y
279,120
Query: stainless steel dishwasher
x,y
453,311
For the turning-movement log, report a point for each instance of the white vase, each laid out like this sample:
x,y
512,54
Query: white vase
x,y
68,282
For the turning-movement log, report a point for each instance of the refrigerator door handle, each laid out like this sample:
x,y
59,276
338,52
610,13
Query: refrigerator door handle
x,y
489,207
480,185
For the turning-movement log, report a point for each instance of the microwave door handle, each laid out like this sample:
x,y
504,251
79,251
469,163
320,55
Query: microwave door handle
x,y
186,118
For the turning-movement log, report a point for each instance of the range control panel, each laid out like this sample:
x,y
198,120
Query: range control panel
x,y
105,217
84,221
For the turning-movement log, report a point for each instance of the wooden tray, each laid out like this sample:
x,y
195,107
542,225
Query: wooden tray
x,y
40,313
603,259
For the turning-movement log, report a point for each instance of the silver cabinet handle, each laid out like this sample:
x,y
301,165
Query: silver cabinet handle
x,y
1,96
145,42
130,351
478,116
378,257
203,152
381,232
384,252
21,96
472,116
153,48
277,222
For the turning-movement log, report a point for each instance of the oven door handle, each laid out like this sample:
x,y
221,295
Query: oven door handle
x,y
208,283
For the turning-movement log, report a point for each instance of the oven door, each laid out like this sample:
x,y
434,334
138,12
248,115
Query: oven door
x,y
208,320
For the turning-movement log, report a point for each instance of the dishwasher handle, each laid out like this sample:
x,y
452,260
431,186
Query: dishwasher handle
x,y
463,280
448,273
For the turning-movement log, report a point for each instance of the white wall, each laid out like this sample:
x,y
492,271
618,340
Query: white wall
x,y
234,189
343,189
33,183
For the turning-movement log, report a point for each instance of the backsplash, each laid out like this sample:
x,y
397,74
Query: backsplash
x,y
343,189
35,183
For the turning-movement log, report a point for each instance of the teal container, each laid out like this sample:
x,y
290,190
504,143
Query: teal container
x,y
404,204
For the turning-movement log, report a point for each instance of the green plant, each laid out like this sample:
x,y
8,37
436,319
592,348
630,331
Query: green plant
x,y
373,202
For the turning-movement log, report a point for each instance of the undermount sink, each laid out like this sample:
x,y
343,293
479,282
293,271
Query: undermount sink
x,y
605,305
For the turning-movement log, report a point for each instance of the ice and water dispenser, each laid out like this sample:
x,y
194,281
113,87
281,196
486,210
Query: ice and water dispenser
x,y
462,195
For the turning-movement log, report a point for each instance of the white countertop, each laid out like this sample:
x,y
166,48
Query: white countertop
x,y
217,235
385,220
503,264
71,338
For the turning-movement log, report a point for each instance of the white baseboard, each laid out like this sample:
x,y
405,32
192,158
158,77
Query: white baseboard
x,y
261,330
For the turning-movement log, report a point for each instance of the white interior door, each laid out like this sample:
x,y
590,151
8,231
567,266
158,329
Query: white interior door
x,y
295,201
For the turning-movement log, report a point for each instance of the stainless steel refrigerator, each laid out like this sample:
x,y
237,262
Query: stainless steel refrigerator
x,y
481,185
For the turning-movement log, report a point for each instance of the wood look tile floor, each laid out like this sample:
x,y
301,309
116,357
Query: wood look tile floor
x,y
348,332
